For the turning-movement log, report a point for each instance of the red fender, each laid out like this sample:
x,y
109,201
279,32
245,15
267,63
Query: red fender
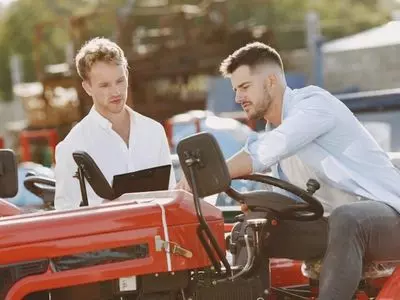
x,y
391,289
8,209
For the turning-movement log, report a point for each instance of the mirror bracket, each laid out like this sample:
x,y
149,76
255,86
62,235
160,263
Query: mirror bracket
x,y
190,151
193,157
80,176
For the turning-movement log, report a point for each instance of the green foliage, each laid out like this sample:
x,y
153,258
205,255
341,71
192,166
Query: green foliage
x,y
285,17
345,17
17,33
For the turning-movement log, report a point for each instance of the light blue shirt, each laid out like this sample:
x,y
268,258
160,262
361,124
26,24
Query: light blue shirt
x,y
326,136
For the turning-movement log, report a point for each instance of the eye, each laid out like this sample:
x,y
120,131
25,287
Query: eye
x,y
243,88
103,85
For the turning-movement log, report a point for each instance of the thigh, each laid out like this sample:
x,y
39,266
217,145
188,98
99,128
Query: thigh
x,y
379,229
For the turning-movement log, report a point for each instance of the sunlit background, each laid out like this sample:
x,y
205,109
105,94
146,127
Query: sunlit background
x,y
349,47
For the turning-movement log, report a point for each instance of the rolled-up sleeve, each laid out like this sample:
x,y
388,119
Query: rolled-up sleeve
x,y
311,118
67,194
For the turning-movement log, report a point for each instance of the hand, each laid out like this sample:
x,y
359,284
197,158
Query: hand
x,y
183,185
244,208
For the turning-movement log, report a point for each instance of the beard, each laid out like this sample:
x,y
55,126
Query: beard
x,y
259,110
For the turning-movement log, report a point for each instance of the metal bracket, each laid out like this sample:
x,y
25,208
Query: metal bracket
x,y
171,247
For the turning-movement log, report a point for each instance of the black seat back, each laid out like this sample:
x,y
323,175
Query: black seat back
x,y
93,175
8,174
210,170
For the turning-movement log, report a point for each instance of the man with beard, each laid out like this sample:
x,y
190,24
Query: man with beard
x,y
119,139
315,135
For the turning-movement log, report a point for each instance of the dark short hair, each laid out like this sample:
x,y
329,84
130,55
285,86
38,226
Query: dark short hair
x,y
252,54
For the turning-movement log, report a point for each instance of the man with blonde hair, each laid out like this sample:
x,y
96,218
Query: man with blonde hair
x,y
119,139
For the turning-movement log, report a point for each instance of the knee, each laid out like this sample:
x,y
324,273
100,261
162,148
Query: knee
x,y
344,221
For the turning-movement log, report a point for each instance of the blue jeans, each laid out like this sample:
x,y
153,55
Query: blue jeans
x,y
352,234
358,232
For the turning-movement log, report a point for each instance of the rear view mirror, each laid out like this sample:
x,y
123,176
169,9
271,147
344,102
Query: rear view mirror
x,y
8,174
204,167
93,175
201,153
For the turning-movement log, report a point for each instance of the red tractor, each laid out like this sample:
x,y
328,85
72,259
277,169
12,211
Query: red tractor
x,y
162,244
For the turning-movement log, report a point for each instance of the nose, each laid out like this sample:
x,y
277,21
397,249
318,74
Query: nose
x,y
239,97
115,91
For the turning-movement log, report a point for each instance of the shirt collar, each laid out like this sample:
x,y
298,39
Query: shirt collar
x,y
288,102
105,123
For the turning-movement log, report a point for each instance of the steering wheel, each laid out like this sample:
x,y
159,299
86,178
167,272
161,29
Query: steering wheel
x,y
285,207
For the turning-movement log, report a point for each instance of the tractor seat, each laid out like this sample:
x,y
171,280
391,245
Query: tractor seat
x,y
377,269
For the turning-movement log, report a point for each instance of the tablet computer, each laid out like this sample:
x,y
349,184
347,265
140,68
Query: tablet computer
x,y
146,180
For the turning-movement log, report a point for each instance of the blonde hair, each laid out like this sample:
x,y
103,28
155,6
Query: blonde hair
x,y
98,49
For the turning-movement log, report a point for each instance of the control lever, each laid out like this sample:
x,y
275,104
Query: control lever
x,y
257,225
312,186
239,218
252,256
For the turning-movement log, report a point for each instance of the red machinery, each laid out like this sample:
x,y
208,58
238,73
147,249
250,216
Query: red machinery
x,y
27,136
154,245
134,238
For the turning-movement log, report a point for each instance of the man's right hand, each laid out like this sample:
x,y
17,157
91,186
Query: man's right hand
x,y
183,185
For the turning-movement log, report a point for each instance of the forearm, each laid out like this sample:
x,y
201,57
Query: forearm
x,y
300,128
240,164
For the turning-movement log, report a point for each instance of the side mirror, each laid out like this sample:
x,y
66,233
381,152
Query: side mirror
x,y
204,166
201,158
89,169
8,174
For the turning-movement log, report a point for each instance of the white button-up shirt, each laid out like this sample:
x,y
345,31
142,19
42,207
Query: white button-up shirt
x,y
328,139
148,147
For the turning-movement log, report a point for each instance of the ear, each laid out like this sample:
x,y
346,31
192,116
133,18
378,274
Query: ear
x,y
87,87
271,80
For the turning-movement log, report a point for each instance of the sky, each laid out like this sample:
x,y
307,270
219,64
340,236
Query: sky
x,y
5,1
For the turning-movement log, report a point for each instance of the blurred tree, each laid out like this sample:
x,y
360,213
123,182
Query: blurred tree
x,y
285,17
17,32
5,77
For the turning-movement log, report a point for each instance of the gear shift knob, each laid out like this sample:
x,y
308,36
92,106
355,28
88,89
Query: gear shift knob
x,y
312,186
